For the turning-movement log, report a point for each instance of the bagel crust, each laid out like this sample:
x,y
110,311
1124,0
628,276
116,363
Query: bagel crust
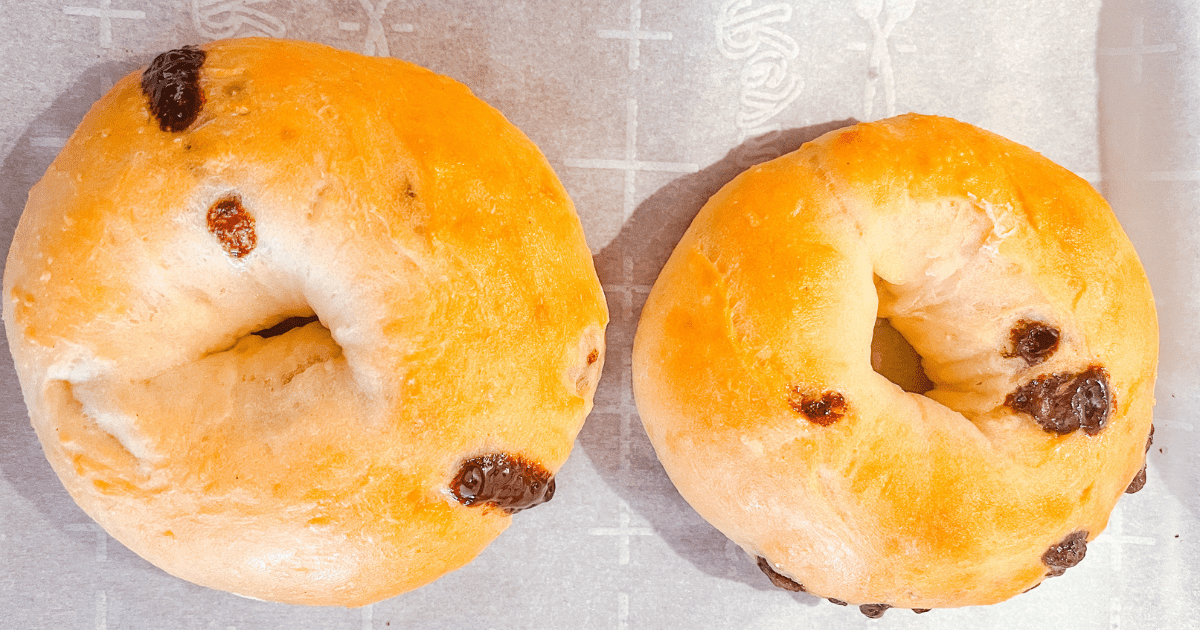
x,y
1034,322
300,324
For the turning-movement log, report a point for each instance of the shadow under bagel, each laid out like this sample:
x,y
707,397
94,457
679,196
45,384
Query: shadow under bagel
x,y
613,438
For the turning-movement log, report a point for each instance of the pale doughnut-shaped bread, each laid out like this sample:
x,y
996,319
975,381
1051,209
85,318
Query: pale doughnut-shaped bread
x,y
442,323
1012,279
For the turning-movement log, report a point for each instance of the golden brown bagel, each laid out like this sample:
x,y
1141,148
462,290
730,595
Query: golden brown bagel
x,y
1013,281
339,461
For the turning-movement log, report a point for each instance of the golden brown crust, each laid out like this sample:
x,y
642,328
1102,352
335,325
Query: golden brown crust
x,y
954,235
459,315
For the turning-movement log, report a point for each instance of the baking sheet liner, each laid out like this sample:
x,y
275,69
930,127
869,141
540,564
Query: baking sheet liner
x,y
645,108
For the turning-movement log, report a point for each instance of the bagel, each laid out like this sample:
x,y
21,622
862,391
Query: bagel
x,y
300,324
1033,322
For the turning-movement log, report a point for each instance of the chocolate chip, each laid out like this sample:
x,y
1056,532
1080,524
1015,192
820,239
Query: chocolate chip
x,y
1139,481
921,611
874,611
503,480
826,410
837,601
1033,341
233,226
1066,554
1150,438
777,579
1063,402
172,88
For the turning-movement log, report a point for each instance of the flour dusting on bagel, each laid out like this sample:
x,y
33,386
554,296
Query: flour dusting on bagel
x,y
301,324
973,480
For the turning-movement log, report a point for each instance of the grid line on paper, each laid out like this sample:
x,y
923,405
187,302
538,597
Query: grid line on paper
x,y
623,293
106,14
624,532
101,610
101,538
635,34
375,43
48,142
622,611
630,164
1114,539
1138,50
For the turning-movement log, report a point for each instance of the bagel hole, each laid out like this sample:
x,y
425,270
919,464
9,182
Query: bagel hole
x,y
896,360
284,326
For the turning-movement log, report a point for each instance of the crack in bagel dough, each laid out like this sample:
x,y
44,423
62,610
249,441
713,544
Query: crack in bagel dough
x,y
1000,269
260,327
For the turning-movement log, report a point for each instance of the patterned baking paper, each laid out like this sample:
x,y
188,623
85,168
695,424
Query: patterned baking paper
x,y
645,108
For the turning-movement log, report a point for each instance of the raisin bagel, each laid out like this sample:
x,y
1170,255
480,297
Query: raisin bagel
x,y
1033,321
301,324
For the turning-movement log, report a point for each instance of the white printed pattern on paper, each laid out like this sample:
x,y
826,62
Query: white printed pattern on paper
x,y
635,33
218,19
768,85
106,14
879,64
376,42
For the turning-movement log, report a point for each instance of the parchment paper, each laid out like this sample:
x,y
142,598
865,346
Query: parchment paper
x,y
645,108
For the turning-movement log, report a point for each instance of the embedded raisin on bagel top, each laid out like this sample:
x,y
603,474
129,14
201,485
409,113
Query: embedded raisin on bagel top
x,y
1033,320
272,300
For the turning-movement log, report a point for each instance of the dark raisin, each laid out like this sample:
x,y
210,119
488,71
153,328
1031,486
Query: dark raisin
x,y
284,326
1066,553
825,410
837,601
500,479
233,226
778,579
1064,402
1139,481
874,611
172,88
921,611
1150,438
1033,341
